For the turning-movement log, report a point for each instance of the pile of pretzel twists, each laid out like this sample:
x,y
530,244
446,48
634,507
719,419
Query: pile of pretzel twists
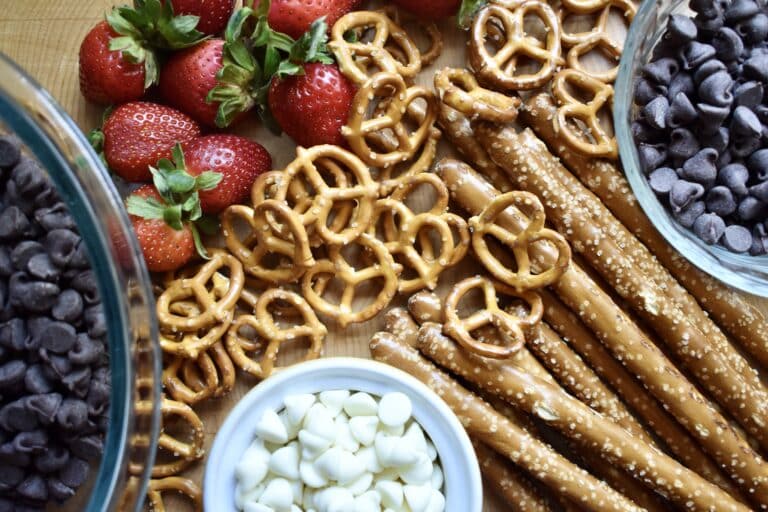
x,y
593,367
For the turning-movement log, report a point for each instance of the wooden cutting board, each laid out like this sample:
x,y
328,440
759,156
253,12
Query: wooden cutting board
x,y
44,36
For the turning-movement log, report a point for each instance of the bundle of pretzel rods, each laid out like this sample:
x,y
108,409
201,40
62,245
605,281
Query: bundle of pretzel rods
x,y
590,334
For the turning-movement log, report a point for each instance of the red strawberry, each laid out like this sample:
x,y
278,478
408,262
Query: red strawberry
x,y
239,161
213,14
138,134
312,107
293,17
165,248
117,57
107,76
430,9
188,77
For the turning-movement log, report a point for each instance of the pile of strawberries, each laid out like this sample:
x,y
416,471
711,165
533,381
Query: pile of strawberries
x,y
176,73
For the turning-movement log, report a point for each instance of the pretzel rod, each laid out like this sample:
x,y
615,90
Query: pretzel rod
x,y
577,421
399,323
426,306
536,170
488,426
644,260
675,438
630,346
508,482
741,319
458,130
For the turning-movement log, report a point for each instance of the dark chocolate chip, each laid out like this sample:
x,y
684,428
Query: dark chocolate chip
x,y
734,176
683,193
38,296
681,111
717,140
86,284
72,414
681,83
709,228
683,144
88,447
745,123
700,168
645,91
754,29
58,491
74,473
58,337
13,223
98,396
728,44
760,191
6,266
706,8
16,416
715,89
708,27
13,334
706,69
77,381
737,238
61,245
744,146
661,70
30,179
36,382
662,179
688,215
45,406
711,117
751,208
651,156
12,372
749,94
741,9
10,477
642,132
756,67
23,252
695,53
680,29
33,487
41,267
86,350
10,151
51,460
33,442
95,321
55,217
757,163
80,257
655,112
68,307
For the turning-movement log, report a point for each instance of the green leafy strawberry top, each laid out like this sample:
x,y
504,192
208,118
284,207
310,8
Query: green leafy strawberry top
x,y
251,62
467,12
179,190
148,26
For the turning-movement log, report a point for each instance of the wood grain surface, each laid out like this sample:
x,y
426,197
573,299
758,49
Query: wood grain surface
x,y
44,36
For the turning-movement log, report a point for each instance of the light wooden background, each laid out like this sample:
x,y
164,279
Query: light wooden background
x,y
44,36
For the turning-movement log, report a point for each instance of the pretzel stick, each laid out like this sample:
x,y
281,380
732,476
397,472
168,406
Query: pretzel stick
x,y
741,319
399,323
537,171
577,421
508,482
676,439
485,424
629,345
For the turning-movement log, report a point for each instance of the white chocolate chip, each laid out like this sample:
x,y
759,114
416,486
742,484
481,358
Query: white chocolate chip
x,y
278,495
417,497
361,404
414,436
369,501
361,484
334,499
436,502
245,496
437,478
397,431
393,452
418,473
319,421
369,459
252,468
285,461
363,428
334,400
291,428
395,409
431,451
340,465
310,475
253,506
312,445
391,494
344,437
271,428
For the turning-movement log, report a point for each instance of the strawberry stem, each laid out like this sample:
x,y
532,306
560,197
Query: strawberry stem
x,y
467,12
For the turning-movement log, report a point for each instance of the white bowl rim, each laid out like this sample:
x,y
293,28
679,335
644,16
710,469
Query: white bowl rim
x,y
469,472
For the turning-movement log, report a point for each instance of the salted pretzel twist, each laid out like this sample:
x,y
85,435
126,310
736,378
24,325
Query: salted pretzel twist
x,y
459,89
211,375
369,54
428,28
499,66
330,189
522,277
598,37
515,327
182,452
390,90
269,336
593,139
380,271
177,485
267,223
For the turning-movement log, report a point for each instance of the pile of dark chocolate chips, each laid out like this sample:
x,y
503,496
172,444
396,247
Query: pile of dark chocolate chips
x,y
54,372
702,130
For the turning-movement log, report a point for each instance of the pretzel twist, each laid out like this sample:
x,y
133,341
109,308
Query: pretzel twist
x,y
262,241
514,328
213,294
358,60
598,37
593,140
269,336
389,87
184,486
315,281
429,29
183,452
520,244
211,375
304,186
459,89
394,176
499,67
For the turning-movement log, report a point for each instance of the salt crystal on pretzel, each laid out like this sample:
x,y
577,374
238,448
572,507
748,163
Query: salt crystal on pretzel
x,y
182,453
458,89
499,66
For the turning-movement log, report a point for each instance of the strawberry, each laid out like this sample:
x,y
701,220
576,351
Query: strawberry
x,y
136,135
118,60
239,161
166,216
312,107
213,14
294,17
165,248
188,77
430,9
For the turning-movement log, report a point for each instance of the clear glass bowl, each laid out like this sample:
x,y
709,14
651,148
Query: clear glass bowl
x,y
119,483
742,271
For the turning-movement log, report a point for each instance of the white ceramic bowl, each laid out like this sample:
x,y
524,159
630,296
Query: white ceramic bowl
x,y
463,487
